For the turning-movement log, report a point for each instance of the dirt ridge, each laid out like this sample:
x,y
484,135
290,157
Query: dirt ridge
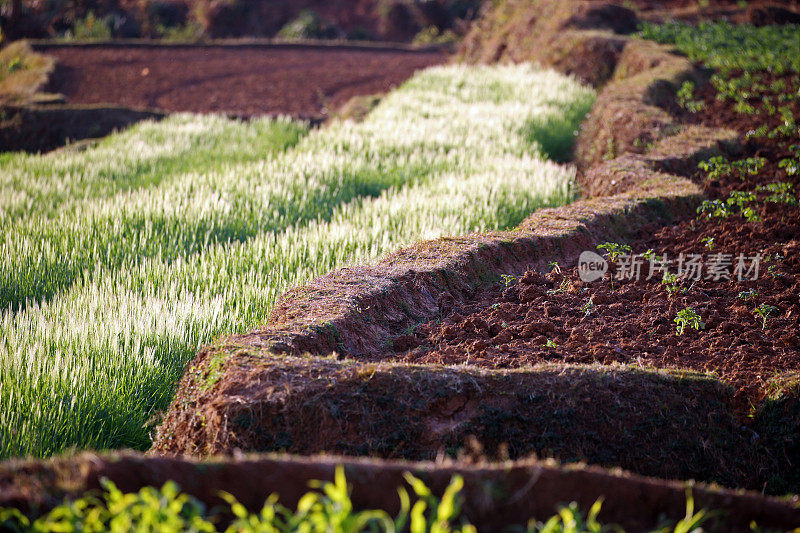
x,y
496,494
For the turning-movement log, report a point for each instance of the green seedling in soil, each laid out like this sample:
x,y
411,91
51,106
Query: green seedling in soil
x,y
686,99
550,344
570,520
588,308
759,132
791,165
719,167
563,287
614,250
716,167
781,193
763,312
740,199
748,294
688,318
508,280
709,242
714,209
772,270
751,215
670,282
651,256
553,266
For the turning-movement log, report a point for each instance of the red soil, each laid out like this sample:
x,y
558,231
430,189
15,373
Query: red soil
x,y
633,321
302,81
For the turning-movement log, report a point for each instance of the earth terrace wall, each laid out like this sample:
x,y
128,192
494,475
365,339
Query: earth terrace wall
x,y
235,397
496,495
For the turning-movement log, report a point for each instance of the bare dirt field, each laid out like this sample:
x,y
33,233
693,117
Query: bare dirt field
x,y
302,81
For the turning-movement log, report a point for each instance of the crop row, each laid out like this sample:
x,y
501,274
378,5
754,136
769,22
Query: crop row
x,y
118,262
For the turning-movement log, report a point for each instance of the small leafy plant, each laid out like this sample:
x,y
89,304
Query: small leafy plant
x,y
562,287
614,250
763,312
588,307
714,209
709,242
670,283
508,280
687,317
553,266
550,344
748,294
686,98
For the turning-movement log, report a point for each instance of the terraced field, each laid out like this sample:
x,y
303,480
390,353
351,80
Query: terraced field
x,y
120,261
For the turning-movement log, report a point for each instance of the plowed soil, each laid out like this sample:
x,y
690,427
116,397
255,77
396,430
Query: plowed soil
x,y
302,81
549,317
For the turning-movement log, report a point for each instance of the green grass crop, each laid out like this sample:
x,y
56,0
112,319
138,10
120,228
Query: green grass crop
x,y
119,261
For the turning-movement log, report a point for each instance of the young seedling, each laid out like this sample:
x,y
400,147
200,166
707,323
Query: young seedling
x,y
508,280
751,215
709,242
687,317
588,307
563,287
670,282
553,266
650,255
781,192
763,312
686,99
614,251
717,167
748,294
714,209
550,344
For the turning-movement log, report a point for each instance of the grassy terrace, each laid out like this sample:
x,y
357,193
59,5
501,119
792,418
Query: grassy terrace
x,y
118,262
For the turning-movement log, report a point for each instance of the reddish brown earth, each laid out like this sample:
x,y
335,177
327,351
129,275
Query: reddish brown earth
x,y
302,81
557,317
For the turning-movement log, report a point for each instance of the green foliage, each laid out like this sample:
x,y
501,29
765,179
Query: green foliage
x,y
743,57
191,32
780,192
687,317
555,134
328,508
763,312
570,520
725,46
310,25
508,280
670,283
686,99
614,250
749,294
719,167
119,261
91,28
709,242
434,36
